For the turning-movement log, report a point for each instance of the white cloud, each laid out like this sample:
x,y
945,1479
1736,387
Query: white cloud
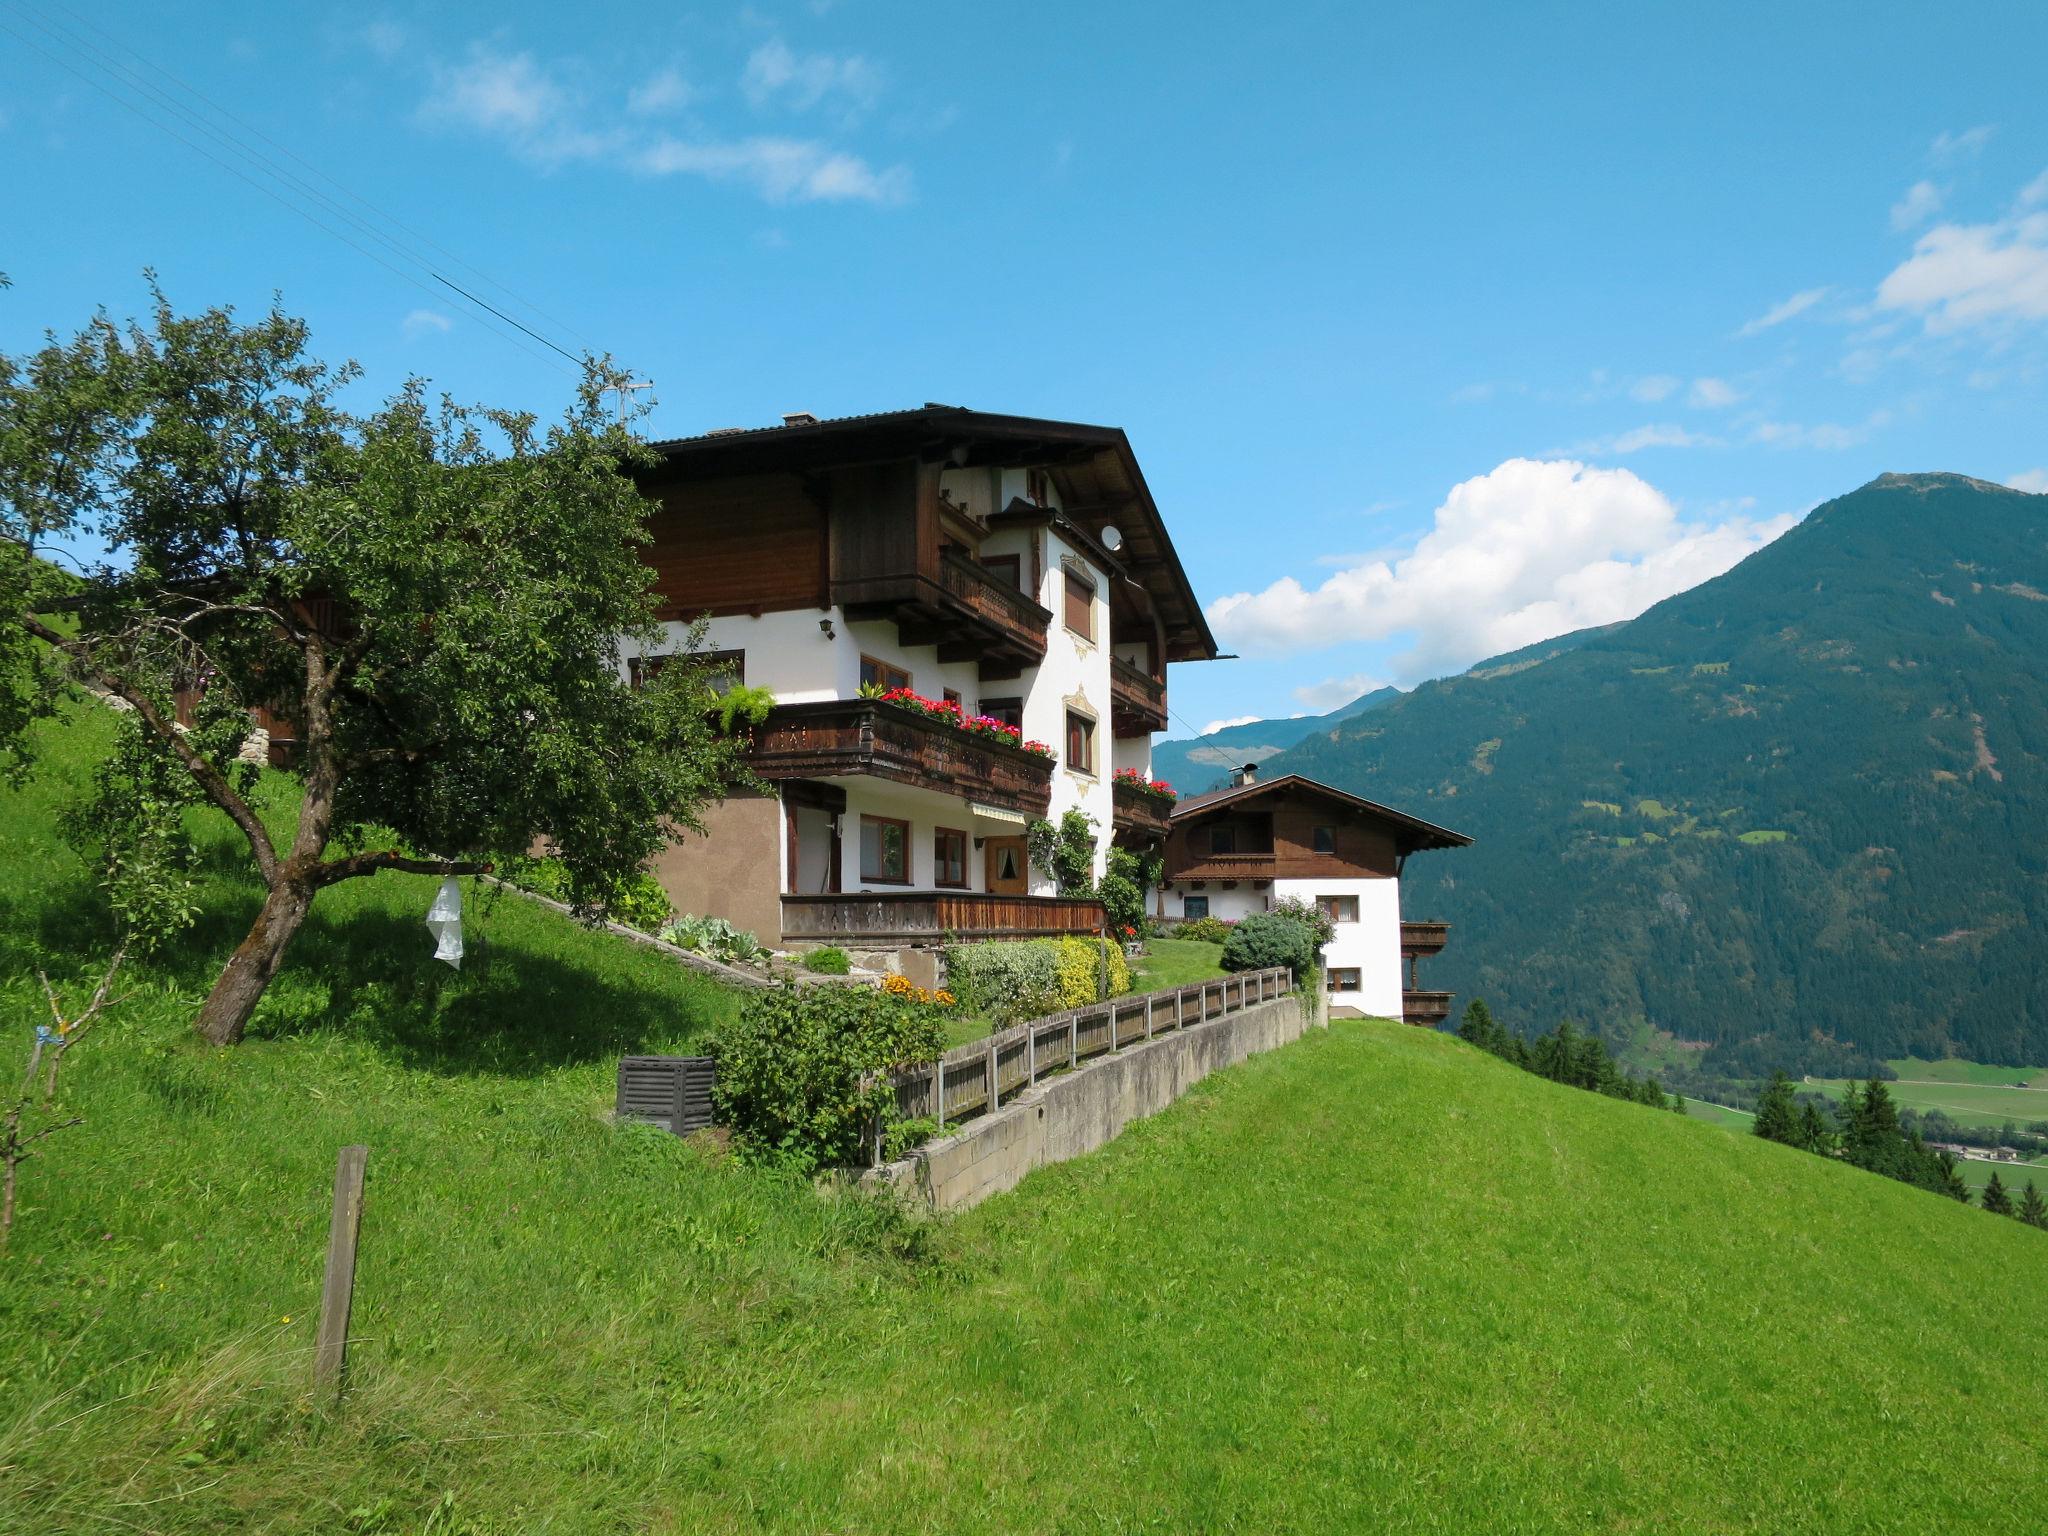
x,y
1825,435
525,105
776,75
1668,434
425,322
2034,480
1332,692
386,39
1965,275
1223,725
1713,394
1948,146
2035,191
1530,550
1778,314
1658,386
663,91
1921,203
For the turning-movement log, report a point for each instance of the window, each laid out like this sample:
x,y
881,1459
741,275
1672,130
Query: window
x,y
1009,711
1038,487
949,858
1341,978
1326,839
1008,569
880,674
1223,838
722,669
1080,599
950,696
1339,909
1192,907
1080,743
884,850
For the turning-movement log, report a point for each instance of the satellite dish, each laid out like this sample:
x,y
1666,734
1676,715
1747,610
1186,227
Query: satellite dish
x,y
1111,539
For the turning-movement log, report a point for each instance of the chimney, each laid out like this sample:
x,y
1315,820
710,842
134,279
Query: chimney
x,y
1248,774
799,419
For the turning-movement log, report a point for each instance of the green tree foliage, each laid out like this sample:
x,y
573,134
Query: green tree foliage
x,y
433,596
802,1071
1310,916
1777,1117
1267,939
1066,852
1996,1199
1814,1134
2033,1209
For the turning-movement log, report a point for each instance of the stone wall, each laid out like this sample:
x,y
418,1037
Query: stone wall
x,y
1076,1112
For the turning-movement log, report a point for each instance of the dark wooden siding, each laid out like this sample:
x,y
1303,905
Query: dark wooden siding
x,y
751,545
1365,849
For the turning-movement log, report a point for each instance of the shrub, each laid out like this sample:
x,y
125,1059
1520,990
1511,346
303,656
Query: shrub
x,y
716,937
1310,916
642,903
899,985
1005,981
1269,938
1088,969
829,961
802,1071
1066,852
1208,930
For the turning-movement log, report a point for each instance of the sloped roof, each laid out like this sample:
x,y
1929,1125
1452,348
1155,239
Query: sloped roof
x,y
1411,833
1098,471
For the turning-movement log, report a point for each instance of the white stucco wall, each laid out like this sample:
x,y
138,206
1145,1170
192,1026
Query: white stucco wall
x,y
1228,902
1372,944
1075,674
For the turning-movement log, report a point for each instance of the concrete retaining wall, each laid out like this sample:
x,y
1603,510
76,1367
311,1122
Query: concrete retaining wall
x,y
1078,1111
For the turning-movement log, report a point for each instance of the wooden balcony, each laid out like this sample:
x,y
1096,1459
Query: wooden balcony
x,y
1137,815
1137,701
1418,939
912,917
841,738
1430,1008
1230,866
959,607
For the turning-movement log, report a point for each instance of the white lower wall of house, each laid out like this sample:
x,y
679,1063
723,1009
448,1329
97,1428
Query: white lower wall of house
x,y
926,811
1133,752
1074,676
1228,902
1371,946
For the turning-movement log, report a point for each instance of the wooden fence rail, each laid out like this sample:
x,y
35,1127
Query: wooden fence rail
x,y
977,1077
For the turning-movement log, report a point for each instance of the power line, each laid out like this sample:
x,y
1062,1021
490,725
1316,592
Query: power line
x,y
125,77
345,191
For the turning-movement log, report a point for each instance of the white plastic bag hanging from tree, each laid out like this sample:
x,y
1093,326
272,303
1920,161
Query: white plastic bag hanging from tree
x,y
444,921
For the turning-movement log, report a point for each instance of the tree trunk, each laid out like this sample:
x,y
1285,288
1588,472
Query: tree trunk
x,y
225,1014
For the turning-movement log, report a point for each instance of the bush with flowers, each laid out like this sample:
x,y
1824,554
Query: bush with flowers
x,y
946,712
1157,789
898,985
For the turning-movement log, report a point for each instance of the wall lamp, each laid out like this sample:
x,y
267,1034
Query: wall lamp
x,y
825,629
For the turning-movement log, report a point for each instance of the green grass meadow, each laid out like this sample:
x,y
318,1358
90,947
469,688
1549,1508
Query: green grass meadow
x,y
1373,1281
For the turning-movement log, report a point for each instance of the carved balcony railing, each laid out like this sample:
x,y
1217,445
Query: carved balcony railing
x,y
1423,938
845,737
995,603
1229,866
1137,813
1137,701
908,917
1425,1007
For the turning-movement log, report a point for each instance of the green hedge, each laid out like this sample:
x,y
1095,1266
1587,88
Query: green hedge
x,y
1267,939
1009,980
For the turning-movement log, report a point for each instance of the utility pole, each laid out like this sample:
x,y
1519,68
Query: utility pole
x,y
624,385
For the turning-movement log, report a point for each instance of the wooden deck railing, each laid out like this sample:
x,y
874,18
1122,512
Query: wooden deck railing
x,y
837,737
1137,700
995,602
1425,1007
974,1078
907,916
1423,938
1133,810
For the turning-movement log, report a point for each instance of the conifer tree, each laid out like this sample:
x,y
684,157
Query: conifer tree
x,y
1995,1198
1776,1117
1952,1183
1813,1130
2033,1209
1678,1103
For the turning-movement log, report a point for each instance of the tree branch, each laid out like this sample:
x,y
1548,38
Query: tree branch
x,y
389,858
209,778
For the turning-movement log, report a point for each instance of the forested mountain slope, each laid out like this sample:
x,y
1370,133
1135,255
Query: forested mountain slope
x,y
1795,815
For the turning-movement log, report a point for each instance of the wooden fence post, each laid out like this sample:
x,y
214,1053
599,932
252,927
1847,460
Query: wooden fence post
x,y
995,1090
1031,1055
939,1092
1073,1041
337,1294
1148,1015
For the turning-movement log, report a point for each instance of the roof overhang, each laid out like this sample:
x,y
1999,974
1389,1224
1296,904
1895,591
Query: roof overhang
x,y
1411,833
1094,467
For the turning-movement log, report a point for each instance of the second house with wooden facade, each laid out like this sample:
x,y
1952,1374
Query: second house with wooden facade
x,y
966,620
1240,849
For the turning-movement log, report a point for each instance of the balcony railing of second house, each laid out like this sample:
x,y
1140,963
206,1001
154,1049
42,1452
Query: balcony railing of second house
x,y
1136,811
1423,938
1230,866
1137,701
843,737
1425,1007
900,917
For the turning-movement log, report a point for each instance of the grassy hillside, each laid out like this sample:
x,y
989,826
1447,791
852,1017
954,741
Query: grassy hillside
x,y
1793,817
1372,1281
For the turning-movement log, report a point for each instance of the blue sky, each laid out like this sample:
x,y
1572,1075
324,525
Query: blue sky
x,y
1437,329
